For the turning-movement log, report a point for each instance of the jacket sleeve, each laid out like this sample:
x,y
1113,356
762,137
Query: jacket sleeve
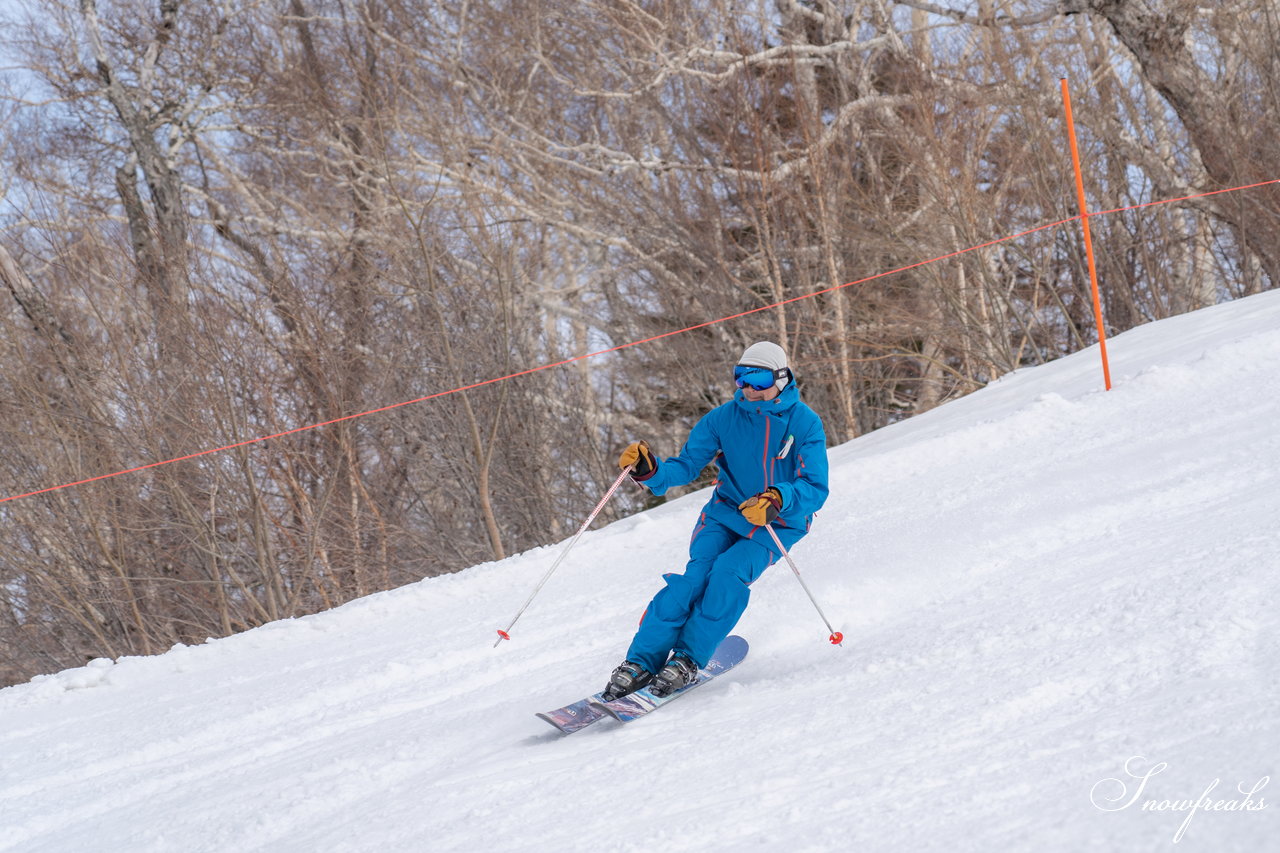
x,y
698,451
807,492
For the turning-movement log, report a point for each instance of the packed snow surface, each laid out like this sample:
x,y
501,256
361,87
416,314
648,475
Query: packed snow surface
x,y
1060,612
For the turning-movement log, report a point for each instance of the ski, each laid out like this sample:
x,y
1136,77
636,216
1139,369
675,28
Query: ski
x,y
728,654
579,715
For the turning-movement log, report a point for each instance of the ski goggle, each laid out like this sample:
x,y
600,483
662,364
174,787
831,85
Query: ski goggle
x,y
759,378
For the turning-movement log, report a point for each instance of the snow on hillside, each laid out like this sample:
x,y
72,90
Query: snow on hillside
x,y
1060,610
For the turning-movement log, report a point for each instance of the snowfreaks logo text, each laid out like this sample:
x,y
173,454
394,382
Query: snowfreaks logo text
x,y
1112,795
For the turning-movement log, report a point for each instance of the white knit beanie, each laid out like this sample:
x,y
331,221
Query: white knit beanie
x,y
766,354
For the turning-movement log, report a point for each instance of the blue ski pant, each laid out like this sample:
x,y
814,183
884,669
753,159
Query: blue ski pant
x,y
698,609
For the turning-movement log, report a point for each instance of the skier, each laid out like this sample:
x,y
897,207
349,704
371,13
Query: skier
x,y
772,454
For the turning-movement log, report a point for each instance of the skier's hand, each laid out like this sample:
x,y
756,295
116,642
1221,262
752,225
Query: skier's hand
x,y
762,508
640,458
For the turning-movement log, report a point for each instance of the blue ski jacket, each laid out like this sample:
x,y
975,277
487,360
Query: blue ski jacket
x,y
778,443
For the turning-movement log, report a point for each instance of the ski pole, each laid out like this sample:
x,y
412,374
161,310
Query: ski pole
x,y
835,637
506,635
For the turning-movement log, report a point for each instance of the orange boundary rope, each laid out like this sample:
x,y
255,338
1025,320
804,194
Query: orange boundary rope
x,y
617,348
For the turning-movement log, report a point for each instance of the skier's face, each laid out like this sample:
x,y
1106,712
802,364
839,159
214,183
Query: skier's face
x,y
756,396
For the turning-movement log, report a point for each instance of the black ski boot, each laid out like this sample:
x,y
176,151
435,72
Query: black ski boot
x,y
678,674
627,678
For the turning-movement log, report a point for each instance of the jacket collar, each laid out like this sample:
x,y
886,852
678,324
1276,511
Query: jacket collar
x,y
780,404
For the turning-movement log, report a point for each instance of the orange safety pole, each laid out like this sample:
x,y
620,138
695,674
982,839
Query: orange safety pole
x,y
1088,239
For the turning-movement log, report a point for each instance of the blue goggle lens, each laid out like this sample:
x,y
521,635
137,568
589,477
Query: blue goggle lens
x,y
759,378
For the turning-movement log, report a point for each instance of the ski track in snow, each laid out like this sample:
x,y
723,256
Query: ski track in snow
x,y
1036,583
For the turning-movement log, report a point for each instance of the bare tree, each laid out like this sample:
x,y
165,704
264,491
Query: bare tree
x,y
235,220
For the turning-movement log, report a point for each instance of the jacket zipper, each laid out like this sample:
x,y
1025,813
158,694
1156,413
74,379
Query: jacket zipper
x,y
765,467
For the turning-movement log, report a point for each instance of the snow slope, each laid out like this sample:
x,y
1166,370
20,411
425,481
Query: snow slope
x,y
1041,585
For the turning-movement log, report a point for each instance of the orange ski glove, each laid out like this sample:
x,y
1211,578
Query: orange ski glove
x,y
762,508
638,455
